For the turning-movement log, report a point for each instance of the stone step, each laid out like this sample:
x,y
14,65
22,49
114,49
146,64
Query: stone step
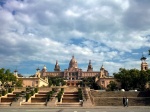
x,y
35,104
69,105
70,92
33,100
5,103
11,95
10,99
41,95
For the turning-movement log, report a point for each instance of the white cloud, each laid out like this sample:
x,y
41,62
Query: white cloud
x,y
107,31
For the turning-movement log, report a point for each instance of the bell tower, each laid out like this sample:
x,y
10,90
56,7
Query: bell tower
x,y
57,67
90,68
144,65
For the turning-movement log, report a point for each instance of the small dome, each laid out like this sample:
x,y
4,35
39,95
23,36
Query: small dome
x,y
102,67
44,67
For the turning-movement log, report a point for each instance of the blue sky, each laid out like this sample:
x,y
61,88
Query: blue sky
x,y
35,33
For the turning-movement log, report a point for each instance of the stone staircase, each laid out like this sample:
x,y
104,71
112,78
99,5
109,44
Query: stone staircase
x,y
70,98
38,99
9,99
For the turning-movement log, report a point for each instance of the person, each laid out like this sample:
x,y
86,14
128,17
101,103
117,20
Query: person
x,y
127,101
123,101
81,102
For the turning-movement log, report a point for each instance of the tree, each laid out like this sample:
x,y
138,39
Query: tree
x,y
90,82
19,83
56,81
6,76
132,79
123,77
112,86
143,79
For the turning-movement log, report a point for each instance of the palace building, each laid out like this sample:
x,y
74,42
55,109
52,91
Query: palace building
x,y
73,75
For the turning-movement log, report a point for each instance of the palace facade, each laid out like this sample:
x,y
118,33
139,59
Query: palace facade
x,y
73,75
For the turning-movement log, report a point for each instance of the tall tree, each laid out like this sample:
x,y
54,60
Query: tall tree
x,y
132,79
6,76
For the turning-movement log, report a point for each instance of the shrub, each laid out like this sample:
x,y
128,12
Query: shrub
x,y
80,94
36,90
10,90
54,89
4,92
27,89
32,93
49,95
59,96
28,95
62,89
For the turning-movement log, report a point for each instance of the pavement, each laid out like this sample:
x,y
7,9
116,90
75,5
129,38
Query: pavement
x,y
93,107
77,109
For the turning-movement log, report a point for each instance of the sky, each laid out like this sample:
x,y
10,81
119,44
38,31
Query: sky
x,y
34,33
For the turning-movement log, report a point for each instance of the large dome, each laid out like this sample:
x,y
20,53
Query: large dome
x,y
73,63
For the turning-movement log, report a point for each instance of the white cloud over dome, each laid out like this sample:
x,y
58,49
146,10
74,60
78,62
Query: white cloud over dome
x,y
101,30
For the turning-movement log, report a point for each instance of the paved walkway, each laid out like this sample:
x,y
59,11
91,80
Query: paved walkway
x,y
93,107
78,109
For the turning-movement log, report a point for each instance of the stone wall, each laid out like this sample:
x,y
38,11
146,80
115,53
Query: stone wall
x,y
115,98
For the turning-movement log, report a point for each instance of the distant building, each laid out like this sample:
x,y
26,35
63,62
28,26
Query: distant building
x,y
35,81
73,75
144,65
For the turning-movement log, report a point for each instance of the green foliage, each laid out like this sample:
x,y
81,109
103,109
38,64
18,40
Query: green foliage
x,y
112,86
10,90
6,76
63,83
56,81
28,95
80,94
19,83
132,79
62,89
90,82
27,88
60,94
36,90
49,95
49,83
32,92
17,95
4,92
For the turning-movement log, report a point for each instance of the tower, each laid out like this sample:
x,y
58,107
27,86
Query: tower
x,y
144,65
44,69
16,73
90,68
38,74
57,67
103,72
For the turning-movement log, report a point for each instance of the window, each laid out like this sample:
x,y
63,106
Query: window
x,y
103,82
36,82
